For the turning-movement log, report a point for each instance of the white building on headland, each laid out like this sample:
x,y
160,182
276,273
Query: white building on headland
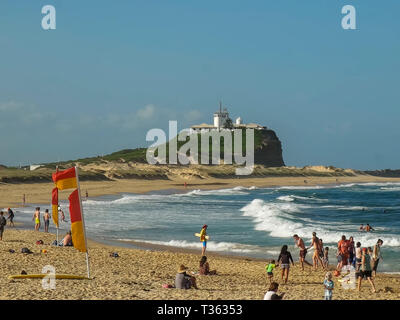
x,y
221,118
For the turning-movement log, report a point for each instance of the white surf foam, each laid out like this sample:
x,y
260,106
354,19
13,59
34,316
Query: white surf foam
x,y
211,245
282,220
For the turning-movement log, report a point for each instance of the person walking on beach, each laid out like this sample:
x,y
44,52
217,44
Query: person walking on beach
x,y
351,250
46,218
343,245
203,239
10,216
366,270
316,258
357,261
329,285
376,256
3,223
36,218
284,260
303,251
270,268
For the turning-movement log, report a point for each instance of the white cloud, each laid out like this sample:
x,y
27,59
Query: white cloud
x,y
146,113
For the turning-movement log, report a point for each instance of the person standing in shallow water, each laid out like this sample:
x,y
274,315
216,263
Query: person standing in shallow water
x,y
36,218
46,218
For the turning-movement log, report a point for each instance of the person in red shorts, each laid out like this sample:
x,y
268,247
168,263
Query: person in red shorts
x,y
343,251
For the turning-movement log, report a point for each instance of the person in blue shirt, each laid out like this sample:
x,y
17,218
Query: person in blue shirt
x,y
329,285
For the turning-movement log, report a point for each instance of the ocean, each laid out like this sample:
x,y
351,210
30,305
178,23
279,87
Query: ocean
x,y
248,221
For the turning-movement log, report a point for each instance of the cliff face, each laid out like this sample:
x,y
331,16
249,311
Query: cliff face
x,y
268,150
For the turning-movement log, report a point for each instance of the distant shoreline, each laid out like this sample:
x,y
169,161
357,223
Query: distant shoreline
x,y
40,193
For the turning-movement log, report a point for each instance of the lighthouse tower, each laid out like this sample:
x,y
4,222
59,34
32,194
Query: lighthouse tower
x,y
220,117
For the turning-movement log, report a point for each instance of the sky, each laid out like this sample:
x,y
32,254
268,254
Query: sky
x,y
112,70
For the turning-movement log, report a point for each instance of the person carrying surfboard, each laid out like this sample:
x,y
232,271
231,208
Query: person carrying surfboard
x,y
203,238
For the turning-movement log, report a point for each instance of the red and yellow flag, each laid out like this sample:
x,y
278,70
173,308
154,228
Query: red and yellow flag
x,y
54,206
65,179
78,233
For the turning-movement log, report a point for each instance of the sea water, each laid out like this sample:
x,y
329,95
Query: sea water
x,y
249,221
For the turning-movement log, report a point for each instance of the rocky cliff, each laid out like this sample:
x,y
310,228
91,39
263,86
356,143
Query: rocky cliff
x,y
268,149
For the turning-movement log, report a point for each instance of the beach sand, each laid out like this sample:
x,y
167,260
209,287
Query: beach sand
x,y
140,274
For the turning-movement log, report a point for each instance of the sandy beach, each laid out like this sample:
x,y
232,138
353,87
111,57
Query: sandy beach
x,y
140,274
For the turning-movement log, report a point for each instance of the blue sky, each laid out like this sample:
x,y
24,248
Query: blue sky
x,y
114,69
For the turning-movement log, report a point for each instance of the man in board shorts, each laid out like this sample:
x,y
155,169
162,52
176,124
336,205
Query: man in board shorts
x,y
303,251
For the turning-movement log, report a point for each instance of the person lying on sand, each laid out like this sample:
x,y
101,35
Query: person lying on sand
x,y
204,269
183,280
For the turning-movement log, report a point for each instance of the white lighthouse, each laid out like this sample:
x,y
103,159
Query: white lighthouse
x,y
220,117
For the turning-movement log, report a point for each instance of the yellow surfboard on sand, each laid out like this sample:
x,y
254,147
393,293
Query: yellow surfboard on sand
x,y
198,235
41,276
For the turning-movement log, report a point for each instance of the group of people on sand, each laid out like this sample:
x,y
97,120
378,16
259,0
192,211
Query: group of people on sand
x,y
183,280
363,260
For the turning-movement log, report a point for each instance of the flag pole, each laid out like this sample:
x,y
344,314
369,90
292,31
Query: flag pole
x,y
58,221
83,220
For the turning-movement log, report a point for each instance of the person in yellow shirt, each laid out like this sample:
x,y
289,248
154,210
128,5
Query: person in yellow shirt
x,y
203,234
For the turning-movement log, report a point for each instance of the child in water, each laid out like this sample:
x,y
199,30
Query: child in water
x,y
329,285
270,267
